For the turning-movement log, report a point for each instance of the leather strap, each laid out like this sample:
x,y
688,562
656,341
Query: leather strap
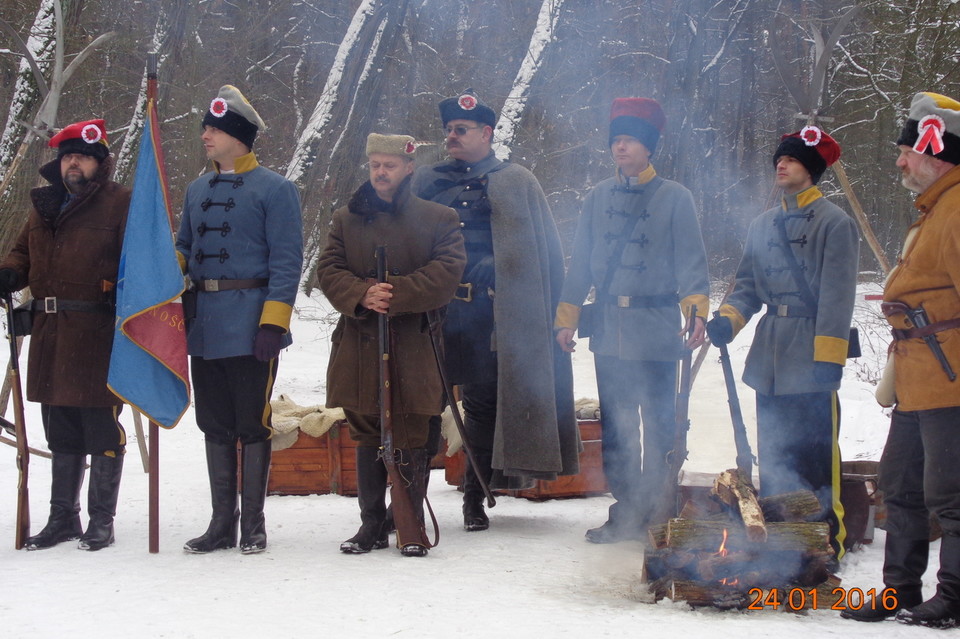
x,y
926,331
640,301
56,304
785,310
215,286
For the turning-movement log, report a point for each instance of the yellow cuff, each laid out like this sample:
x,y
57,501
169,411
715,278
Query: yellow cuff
x,y
737,320
830,349
276,313
702,303
568,316
182,261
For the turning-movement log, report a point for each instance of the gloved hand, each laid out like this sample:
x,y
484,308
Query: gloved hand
x,y
8,281
720,331
268,342
827,372
482,274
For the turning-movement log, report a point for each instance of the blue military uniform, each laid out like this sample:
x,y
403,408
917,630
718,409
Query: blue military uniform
x,y
241,243
225,234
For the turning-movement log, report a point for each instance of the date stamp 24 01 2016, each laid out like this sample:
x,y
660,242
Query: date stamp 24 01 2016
x,y
839,599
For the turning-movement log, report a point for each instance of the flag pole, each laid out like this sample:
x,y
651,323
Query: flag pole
x,y
154,456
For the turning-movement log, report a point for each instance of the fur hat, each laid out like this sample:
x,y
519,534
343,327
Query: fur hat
x,y
402,145
933,127
88,137
467,106
641,118
810,146
232,113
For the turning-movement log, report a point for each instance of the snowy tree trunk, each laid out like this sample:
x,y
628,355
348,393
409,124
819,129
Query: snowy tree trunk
x,y
25,93
305,153
341,118
516,102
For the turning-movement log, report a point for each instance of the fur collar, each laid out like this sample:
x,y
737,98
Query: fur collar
x,y
48,199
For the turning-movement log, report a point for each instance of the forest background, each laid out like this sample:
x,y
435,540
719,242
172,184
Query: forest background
x,y
325,73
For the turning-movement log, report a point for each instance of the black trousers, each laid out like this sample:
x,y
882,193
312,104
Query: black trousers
x,y
480,413
797,449
232,398
920,472
83,431
631,393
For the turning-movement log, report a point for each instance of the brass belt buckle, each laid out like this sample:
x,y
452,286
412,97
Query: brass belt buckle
x,y
782,310
49,305
211,286
468,297
623,301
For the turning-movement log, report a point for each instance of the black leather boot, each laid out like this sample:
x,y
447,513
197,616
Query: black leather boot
x,y
102,495
904,562
64,522
417,461
474,517
253,494
943,609
371,496
222,471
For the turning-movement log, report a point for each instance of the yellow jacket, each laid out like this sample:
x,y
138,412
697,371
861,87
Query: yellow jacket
x,y
928,274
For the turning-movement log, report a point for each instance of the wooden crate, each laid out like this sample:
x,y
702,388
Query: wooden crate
x,y
589,481
316,465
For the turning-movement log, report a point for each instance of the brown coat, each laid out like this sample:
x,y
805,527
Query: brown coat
x,y
425,259
73,255
929,274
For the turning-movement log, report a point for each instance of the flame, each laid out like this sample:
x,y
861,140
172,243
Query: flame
x,y
722,551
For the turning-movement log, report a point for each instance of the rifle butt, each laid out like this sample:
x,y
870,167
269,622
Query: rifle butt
x,y
410,530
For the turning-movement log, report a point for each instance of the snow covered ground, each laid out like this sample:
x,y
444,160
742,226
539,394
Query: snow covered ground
x,y
531,574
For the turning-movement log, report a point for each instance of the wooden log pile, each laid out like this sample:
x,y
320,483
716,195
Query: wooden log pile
x,y
732,549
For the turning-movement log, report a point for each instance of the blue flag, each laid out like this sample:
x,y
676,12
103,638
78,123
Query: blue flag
x,y
148,364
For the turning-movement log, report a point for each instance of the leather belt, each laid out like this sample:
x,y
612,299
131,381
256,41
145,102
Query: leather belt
x,y
926,331
785,310
640,301
215,286
56,304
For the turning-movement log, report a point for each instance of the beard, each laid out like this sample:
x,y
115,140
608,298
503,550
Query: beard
x,y
920,179
75,181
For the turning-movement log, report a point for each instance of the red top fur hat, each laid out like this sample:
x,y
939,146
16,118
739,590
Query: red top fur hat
x,y
641,118
812,147
88,137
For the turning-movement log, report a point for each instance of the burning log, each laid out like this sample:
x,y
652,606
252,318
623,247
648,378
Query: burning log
x,y
799,505
702,594
737,491
703,509
812,538
657,534
713,557
718,566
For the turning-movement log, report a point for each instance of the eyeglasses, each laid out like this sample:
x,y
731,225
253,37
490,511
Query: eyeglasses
x,y
459,129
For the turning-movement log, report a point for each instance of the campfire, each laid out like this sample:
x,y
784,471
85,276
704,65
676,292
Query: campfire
x,y
730,549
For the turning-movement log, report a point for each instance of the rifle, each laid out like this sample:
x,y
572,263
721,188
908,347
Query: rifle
x,y
678,455
434,321
23,451
744,454
410,529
